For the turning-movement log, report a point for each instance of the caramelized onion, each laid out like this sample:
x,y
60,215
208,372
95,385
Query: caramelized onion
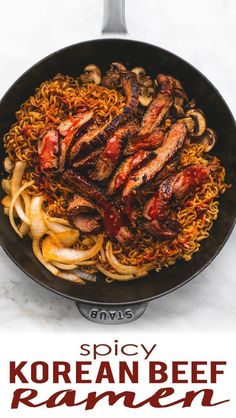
x,y
39,256
11,209
73,277
116,265
37,224
120,277
54,226
52,252
6,186
15,185
24,228
67,238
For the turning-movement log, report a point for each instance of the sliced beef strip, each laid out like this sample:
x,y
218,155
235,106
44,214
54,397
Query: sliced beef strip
x,y
69,129
165,230
110,155
89,161
171,145
124,170
87,223
158,108
178,186
83,215
113,222
141,142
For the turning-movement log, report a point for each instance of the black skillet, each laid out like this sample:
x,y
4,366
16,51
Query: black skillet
x,y
124,302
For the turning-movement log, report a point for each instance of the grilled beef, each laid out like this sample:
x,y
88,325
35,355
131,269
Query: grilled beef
x,y
172,143
158,107
99,136
89,161
112,220
83,215
178,186
68,130
141,142
124,170
110,156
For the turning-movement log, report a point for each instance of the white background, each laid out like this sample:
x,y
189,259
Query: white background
x,y
203,33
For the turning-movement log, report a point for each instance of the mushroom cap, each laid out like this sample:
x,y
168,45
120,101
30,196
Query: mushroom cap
x,y
118,66
146,89
92,73
208,139
200,121
139,71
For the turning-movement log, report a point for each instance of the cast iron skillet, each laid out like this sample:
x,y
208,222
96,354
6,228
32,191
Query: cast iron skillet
x,y
123,302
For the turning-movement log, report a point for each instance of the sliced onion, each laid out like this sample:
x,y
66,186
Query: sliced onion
x,y
54,227
120,277
6,186
52,252
14,198
8,165
64,266
87,263
87,276
15,185
73,277
6,201
66,238
58,220
39,256
116,265
37,224
6,211
24,228
55,271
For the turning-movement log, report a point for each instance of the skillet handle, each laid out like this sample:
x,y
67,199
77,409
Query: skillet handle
x,y
111,314
114,17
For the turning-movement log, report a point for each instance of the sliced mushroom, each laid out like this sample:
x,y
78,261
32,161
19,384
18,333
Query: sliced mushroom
x,y
139,71
200,121
146,86
208,139
177,111
112,78
92,74
190,124
144,99
190,105
118,66
8,165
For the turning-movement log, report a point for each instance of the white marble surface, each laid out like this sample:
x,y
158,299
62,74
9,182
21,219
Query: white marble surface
x,y
203,33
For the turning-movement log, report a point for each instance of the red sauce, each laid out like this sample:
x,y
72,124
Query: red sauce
x,y
190,178
111,220
157,209
49,149
137,159
112,150
119,180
